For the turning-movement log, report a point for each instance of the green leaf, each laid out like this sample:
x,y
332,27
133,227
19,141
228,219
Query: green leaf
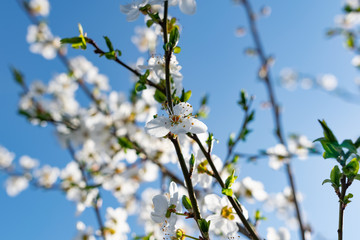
x,y
357,177
139,87
192,161
230,180
118,52
18,76
159,96
352,168
24,113
177,49
109,44
185,96
174,36
110,55
149,23
125,143
335,176
74,40
349,145
328,134
227,192
187,203
326,181
347,197
204,225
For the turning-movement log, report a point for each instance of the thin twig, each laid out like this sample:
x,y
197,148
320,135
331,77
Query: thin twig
x,y
275,106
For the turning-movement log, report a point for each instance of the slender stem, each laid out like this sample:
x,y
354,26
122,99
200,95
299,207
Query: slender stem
x,y
341,207
275,106
190,237
98,50
168,52
189,185
236,206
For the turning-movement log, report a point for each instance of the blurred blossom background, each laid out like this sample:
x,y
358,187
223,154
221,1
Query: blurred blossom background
x,y
315,76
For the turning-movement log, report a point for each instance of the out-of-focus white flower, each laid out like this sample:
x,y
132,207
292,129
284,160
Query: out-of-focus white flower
x,y
265,11
6,157
283,204
39,7
250,189
186,6
28,163
71,176
116,226
42,41
353,3
180,121
281,234
145,39
84,232
328,82
16,184
47,176
306,83
288,78
224,220
83,197
356,61
300,146
348,20
277,156
202,174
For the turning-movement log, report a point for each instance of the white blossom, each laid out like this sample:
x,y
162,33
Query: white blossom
x,y
328,82
180,121
28,163
250,189
39,7
164,205
278,155
16,184
281,234
6,157
224,220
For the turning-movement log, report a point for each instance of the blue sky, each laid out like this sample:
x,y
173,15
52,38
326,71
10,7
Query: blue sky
x,y
213,62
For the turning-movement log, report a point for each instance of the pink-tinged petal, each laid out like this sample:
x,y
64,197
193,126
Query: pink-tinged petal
x,y
212,202
158,127
197,126
188,6
183,108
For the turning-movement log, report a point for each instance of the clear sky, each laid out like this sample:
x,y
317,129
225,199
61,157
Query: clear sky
x,y
213,62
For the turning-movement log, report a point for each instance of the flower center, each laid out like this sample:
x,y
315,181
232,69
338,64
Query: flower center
x,y
175,119
226,212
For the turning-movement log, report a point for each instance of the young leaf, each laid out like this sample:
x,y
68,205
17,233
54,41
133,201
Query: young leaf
x,y
186,202
349,145
335,176
109,44
352,168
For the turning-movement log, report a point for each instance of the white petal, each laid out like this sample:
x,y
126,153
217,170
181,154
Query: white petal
x,y
183,108
197,126
161,204
212,202
158,127
188,6
133,15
